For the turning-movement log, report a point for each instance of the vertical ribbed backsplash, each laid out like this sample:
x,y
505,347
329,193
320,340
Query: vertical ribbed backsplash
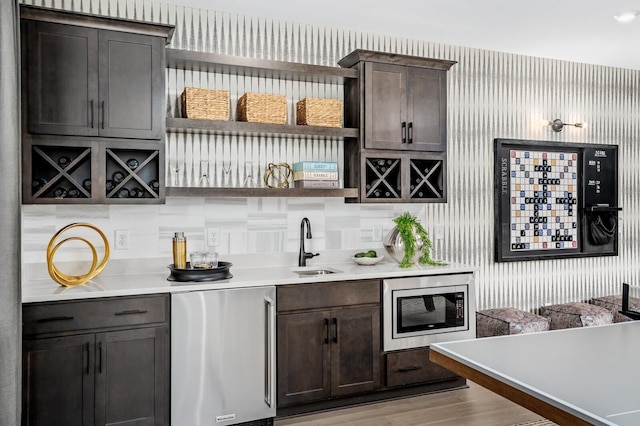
x,y
491,95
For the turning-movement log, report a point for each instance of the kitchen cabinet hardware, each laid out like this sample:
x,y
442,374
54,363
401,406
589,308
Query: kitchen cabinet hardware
x,y
335,330
88,359
326,330
60,318
100,357
132,312
410,368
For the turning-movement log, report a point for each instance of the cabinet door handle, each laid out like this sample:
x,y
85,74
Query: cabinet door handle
x,y
335,330
326,330
87,358
132,312
411,132
52,319
409,368
102,114
100,357
91,107
404,132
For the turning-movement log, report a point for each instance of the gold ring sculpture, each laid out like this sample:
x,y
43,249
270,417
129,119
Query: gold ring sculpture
x,y
71,280
277,175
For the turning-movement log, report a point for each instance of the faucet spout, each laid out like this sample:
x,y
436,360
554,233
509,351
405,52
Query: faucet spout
x,y
303,255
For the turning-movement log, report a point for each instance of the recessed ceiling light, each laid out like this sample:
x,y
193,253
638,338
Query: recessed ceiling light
x,y
627,16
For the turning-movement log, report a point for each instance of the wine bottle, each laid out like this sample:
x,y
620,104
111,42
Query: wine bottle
x,y
132,163
117,176
60,192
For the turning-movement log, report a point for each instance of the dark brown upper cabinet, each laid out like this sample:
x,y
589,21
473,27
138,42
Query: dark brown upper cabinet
x,y
413,113
400,102
88,82
93,108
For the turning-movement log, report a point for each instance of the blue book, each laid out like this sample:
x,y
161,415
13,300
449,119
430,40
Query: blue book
x,y
311,166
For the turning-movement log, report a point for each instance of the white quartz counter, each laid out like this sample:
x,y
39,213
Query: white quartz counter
x,y
125,279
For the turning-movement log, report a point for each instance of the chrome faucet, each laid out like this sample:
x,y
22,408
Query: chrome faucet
x,y
303,256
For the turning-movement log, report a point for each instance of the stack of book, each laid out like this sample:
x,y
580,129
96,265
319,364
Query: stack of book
x,y
315,174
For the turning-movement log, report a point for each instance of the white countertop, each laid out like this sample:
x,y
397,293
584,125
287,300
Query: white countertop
x,y
126,279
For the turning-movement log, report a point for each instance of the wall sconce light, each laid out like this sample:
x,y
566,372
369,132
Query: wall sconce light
x,y
557,125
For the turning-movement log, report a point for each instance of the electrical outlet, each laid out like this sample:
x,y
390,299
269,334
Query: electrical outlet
x,y
122,239
213,237
438,232
377,232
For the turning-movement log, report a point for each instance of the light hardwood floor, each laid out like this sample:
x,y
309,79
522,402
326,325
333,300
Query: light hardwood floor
x,y
475,406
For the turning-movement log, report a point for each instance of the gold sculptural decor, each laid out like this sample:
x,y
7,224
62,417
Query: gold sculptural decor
x,y
71,280
278,175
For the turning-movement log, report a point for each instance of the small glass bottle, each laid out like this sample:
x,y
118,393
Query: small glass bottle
x,y
179,251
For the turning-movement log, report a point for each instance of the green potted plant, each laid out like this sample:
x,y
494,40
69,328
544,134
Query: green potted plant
x,y
408,242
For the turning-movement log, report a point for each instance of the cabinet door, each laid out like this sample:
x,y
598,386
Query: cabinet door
x,y
131,366
57,381
131,85
427,109
385,122
355,350
62,79
303,358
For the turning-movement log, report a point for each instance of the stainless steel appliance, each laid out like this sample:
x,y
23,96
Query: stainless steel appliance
x,y
223,356
419,311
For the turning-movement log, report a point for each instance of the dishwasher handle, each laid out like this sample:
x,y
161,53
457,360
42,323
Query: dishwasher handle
x,y
269,350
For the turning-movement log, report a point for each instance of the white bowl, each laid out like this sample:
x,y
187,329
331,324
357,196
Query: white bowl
x,y
367,260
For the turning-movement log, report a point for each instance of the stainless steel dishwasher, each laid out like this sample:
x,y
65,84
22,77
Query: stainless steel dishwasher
x,y
223,356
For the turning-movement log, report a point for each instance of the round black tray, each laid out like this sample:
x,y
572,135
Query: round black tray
x,y
199,275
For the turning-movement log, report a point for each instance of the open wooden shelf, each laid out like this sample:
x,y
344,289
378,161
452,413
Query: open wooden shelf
x,y
251,67
256,129
260,192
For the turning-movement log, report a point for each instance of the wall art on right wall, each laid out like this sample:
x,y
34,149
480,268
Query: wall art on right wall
x,y
555,200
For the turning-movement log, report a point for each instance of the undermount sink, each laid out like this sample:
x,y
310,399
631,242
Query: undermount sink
x,y
316,271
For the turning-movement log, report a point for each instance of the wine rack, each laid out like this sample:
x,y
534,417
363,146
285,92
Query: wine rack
x,y
73,171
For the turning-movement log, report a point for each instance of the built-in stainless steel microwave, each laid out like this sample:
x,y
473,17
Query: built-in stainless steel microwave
x,y
419,311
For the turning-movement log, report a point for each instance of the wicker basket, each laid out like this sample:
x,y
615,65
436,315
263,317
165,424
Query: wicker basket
x,y
319,112
205,104
262,108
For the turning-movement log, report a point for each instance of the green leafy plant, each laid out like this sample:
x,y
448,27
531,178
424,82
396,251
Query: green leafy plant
x,y
406,225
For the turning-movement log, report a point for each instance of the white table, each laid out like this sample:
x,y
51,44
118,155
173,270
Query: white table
x,y
578,376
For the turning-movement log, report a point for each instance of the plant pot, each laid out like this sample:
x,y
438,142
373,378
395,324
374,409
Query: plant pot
x,y
394,245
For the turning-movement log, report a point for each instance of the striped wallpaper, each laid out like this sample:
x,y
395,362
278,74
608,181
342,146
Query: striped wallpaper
x,y
491,95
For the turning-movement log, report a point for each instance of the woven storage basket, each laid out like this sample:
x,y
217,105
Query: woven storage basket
x,y
319,112
205,104
262,108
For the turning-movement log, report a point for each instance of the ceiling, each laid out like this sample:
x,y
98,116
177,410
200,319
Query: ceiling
x,y
573,30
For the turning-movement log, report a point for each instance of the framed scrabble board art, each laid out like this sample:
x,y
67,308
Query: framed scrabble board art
x,y
555,200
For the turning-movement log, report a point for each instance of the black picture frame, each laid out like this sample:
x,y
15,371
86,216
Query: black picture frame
x,y
594,196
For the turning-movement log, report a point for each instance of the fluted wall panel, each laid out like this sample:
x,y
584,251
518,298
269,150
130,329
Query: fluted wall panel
x,y
491,95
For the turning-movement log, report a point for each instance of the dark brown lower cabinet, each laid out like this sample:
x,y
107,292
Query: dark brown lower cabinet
x,y
328,353
109,374
414,367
